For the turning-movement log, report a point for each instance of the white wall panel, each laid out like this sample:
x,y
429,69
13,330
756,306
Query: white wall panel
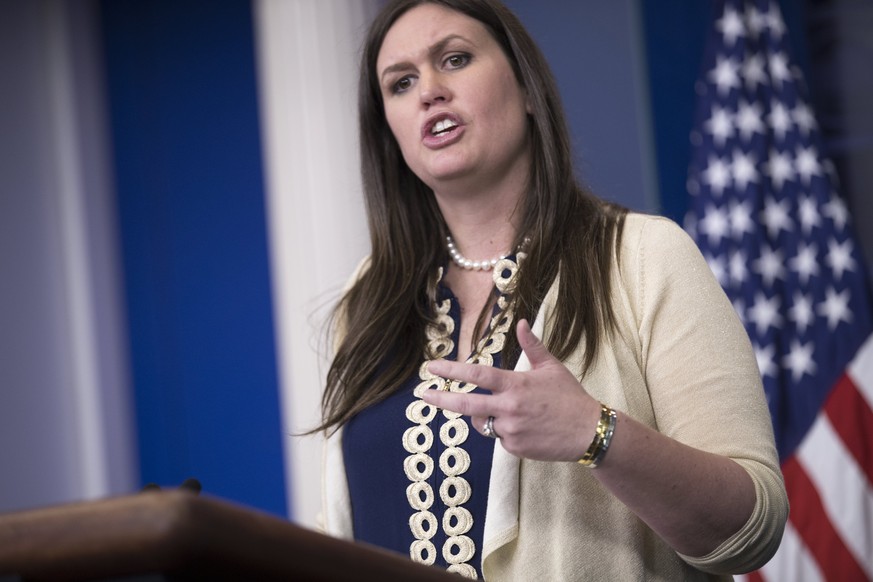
x,y
308,63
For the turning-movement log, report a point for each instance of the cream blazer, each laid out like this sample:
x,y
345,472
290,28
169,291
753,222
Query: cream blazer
x,y
680,362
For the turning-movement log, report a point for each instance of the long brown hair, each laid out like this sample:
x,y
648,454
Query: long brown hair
x,y
384,313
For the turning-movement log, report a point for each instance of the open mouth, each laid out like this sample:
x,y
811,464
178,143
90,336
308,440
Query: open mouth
x,y
442,130
442,127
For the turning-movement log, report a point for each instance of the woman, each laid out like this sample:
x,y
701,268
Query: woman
x,y
632,442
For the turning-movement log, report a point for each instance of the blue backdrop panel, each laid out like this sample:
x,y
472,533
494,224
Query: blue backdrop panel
x,y
675,35
184,116
589,47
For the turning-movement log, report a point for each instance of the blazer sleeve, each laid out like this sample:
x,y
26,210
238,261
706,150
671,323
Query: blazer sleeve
x,y
703,379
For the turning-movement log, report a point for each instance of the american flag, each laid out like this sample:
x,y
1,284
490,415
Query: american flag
x,y
767,217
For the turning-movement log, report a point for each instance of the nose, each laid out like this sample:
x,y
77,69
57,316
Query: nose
x,y
433,89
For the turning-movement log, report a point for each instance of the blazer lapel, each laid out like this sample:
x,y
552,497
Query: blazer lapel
x,y
501,514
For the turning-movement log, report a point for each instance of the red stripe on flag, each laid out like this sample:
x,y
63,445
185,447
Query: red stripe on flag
x,y
852,419
815,528
754,576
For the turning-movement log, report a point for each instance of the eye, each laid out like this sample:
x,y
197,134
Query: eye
x,y
457,61
401,85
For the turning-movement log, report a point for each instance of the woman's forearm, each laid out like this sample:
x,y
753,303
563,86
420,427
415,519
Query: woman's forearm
x,y
693,499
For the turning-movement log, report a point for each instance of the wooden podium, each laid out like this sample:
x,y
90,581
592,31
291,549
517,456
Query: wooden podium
x,y
177,536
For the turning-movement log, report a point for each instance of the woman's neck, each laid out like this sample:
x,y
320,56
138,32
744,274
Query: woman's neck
x,y
482,227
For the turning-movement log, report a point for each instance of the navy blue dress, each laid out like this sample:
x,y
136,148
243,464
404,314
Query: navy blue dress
x,y
374,453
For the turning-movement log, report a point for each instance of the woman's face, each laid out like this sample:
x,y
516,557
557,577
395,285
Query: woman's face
x,y
452,101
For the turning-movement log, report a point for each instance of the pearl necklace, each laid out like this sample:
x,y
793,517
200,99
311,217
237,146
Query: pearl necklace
x,y
466,263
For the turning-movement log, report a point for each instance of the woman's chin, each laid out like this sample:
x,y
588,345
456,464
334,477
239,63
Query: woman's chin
x,y
447,176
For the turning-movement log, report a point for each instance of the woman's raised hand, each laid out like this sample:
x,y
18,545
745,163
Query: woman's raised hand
x,y
543,414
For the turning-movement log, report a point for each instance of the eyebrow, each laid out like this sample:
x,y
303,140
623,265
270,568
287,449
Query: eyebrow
x,y
434,49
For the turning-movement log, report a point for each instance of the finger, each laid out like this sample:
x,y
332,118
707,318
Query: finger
x,y
465,404
535,350
489,378
478,423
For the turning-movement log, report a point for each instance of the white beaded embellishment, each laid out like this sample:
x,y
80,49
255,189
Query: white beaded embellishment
x,y
454,462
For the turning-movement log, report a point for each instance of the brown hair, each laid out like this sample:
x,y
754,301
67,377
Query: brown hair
x,y
385,311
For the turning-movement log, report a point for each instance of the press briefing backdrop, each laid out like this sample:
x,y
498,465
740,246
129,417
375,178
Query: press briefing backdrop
x,y
219,133
179,204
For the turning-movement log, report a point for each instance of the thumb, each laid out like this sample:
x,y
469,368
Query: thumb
x,y
534,349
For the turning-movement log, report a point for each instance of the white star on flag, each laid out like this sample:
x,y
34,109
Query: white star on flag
x,y
764,312
840,257
836,211
799,359
780,168
725,75
835,307
753,71
770,265
778,69
775,216
714,224
803,118
748,120
737,267
731,27
743,169
805,263
766,360
720,125
741,219
807,164
717,175
801,312
780,120
809,213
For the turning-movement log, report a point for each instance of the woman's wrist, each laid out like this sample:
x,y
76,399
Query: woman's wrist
x,y
603,432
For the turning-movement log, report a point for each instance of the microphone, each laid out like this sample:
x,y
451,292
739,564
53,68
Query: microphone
x,y
190,484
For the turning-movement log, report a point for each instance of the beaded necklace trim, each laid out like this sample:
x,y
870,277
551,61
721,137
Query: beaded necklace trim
x,y
455,490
